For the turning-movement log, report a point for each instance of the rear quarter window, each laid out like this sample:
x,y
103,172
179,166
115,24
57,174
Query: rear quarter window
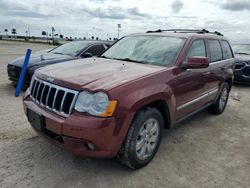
x,y
215,50
227,51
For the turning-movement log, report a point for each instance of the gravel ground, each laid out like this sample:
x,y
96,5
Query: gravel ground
x,y
203,151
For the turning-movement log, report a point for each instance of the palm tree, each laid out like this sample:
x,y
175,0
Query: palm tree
x,y
6,31
44,33
60,36
13,31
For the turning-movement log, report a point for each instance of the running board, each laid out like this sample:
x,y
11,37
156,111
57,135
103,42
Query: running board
x,y
192,113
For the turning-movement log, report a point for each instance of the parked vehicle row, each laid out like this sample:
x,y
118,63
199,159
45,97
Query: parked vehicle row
x,y
66,52
117,104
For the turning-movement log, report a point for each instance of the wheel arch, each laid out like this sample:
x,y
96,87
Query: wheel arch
x,y
230,83
160,105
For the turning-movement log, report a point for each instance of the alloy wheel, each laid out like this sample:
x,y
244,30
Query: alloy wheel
x,y
147,139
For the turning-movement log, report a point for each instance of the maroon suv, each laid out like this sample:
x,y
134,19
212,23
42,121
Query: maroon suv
x,y
118,104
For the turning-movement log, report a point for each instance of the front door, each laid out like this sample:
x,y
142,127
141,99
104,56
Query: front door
x,y
192,84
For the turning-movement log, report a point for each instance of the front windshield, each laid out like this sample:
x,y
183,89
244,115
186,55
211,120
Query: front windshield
x,y
155,50
71,48
241,49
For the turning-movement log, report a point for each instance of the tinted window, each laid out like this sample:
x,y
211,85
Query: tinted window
x,y
197,49
71,48
155,50
96,50
215,50
227,50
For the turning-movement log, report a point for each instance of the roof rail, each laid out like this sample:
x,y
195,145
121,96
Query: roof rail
x,y
203,31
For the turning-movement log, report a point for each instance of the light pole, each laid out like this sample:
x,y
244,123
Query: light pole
x,y
29,31
53,30
119,27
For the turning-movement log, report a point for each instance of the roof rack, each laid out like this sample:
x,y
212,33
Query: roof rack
x,y
203,31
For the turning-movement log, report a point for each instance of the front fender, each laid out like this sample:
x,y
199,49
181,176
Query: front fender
x,y
143,95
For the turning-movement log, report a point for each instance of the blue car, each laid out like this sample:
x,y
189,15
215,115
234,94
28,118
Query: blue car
x,y
69,51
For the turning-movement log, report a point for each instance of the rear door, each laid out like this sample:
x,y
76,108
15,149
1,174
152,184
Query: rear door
x,y
192,85
219,56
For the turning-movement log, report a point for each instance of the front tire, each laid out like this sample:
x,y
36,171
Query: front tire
x,y
143,139
221,103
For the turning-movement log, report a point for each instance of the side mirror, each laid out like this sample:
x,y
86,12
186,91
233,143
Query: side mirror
x,y
196,62
87,54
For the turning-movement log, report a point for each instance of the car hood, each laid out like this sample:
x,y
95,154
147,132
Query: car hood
x,y
242,58
95,73
39,59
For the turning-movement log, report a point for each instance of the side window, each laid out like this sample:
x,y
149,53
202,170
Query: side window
x,y
96,50
227,50
215,50
197,49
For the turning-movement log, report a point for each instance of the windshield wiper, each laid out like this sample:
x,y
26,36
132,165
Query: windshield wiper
x,y
57,53
242,53
125,59
129,60
103,56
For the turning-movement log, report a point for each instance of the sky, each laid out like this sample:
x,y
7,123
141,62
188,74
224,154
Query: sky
x,y
86,18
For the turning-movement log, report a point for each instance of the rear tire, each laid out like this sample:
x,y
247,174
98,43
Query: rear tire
x,y
219,106
143,139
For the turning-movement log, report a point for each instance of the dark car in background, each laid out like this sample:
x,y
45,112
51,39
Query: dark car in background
x,y
66,52
242,66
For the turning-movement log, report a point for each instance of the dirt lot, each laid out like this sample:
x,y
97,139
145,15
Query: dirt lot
x,y
203,151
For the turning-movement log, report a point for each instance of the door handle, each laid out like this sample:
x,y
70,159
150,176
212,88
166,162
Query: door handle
x,y
207,73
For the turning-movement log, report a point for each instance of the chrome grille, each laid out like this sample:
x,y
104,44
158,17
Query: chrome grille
x,y
52,97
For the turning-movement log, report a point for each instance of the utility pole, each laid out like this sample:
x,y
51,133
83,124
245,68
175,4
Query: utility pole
x,y
119,27
29,31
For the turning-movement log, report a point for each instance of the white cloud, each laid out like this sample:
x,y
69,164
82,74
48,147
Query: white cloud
x,y
100,17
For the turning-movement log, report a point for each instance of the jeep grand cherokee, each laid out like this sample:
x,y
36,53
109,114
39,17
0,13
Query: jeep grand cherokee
x,y
118,104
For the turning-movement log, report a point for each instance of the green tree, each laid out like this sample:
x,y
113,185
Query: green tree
x,y
44,33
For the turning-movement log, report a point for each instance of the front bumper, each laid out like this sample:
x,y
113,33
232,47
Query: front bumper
x,y
242,75
80,134
14,74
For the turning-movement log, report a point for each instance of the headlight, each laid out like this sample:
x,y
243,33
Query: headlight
x,y
96,104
